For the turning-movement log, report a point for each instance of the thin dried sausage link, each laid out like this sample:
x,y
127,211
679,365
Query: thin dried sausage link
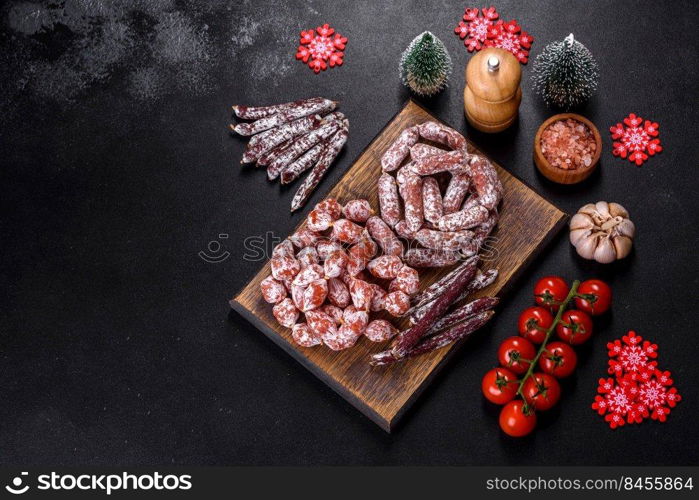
x,y
421,150
293,170
284,116
299,146
454,334
264,142
438,287
411,192
463,219
432,203
456,192
426,257
257,112
449,241
382,234
407,339
389,203
453,160
485,182
335,144
399,150
433,131
481,280
461,313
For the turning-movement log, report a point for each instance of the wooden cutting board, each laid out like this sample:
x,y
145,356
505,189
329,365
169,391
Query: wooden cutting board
x,y
383,394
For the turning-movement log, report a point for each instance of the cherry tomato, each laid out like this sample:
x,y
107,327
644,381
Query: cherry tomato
x,y
575,327
533,323
499,386
517,419
595,297
559,360
551,289
513,353
541,391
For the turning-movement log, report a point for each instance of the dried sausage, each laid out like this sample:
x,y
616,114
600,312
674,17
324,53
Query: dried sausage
x,y
426,257
284,116
380,330
463,219
389,203
357,210
384,236
273,291
386,266
286,313
338,293
411,192
399,150
432,203
304,336
335,144
436,132
456,192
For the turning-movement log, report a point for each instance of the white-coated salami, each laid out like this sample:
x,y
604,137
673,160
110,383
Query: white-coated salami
x,y
304,336
456,192
464,219
380,330
432,203
436,132
420,151
389,203
284,116
485,182
399,150
411,192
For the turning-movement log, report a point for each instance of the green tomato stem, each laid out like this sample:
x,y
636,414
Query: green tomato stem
x,y
530,371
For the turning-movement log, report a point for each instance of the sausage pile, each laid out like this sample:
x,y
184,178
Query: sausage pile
x,y
343,264
448,226
291,138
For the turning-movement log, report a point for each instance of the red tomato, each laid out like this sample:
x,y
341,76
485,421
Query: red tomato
x,y
517,419
516,354
594,297
559,360
541,391
549,290
499,386
575,327
533,323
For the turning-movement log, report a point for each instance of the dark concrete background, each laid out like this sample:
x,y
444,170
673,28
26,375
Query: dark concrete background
x,y
116,342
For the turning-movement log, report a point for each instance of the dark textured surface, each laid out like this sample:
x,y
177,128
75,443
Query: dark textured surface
x,y
116,340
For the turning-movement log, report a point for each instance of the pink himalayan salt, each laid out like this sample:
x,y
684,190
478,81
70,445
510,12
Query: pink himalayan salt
x,y
568,144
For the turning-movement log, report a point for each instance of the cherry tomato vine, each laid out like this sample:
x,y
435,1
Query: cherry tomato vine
x,y
518,355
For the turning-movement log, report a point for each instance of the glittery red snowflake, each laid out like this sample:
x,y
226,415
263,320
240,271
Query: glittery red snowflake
x,y
639,389
484,31
319,48
635,139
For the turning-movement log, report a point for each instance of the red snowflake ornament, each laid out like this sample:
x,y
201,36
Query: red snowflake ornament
x,y
635,139
632,355
474,31
639,389
321,48
509,36
478,31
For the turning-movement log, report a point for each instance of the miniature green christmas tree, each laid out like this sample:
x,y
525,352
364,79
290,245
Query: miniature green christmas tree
x,y
425,65
565,74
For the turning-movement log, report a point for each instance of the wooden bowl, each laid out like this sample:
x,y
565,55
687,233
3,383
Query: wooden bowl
x,y
560,175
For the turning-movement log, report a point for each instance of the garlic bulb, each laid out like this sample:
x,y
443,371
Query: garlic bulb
x,y
602,231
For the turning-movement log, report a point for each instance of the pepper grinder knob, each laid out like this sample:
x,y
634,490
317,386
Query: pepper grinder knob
x,y
493,63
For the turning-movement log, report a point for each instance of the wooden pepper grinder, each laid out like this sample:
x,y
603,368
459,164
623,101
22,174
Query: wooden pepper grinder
x,y
492,93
